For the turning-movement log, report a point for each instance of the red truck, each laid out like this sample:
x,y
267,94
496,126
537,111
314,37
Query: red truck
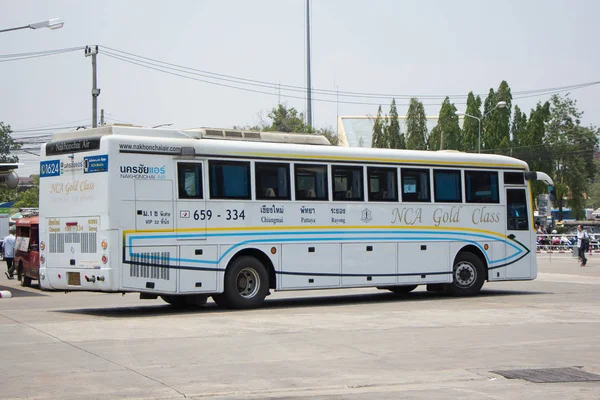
x,y
27,253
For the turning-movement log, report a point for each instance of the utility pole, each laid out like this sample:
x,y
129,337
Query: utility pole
x,y
93,51
308,84
102,117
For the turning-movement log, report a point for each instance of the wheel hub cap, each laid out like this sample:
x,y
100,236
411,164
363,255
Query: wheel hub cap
x,y
248,283
465,274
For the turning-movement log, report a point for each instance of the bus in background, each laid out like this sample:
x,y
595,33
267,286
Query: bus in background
x,y
568,215
27,260
234,214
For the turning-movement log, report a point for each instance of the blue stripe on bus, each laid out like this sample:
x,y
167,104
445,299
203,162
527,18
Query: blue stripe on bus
x,y
395,238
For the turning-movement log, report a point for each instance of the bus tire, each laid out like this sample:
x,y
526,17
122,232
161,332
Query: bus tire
x,y
468,275
402,289
246,284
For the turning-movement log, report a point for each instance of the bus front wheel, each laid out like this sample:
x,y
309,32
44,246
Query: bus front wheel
x,y
468,275
246,284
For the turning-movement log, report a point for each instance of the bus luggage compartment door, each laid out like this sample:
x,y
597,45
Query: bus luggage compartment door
x,y
306,266
424,262
198,268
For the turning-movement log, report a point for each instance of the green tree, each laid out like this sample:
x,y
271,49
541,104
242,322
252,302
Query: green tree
x,y
446,134
394,136
285,119
30,197
533,147
470,131
378,139
572,153
416,126
496,121
7,144
518,129
329,134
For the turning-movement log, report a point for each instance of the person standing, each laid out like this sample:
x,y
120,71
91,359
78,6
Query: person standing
x,y
9,251
583,241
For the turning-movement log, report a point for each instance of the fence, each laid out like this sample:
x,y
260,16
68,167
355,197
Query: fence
x,y
564,244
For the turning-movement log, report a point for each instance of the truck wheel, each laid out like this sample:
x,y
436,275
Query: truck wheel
x,y
246,284
25,281
468,275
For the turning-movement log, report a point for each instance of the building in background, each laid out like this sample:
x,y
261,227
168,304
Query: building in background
x,y
357,131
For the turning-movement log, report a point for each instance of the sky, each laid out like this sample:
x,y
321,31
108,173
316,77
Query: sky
x,y
396,47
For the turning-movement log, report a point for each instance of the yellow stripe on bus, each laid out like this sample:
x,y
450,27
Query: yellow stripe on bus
x,y
392,160
305,228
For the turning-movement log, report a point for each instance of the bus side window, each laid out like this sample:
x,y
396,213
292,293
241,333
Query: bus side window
x,y
482,187
382,184
311,182
348,183
272,181
229,179
189,178
447,186
415,185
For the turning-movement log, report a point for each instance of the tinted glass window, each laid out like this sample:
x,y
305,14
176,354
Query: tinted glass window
x,y
516,209
382,184
482,187
415,185
347,183
229,179
514,178
272,181
311,182
447,186
189,177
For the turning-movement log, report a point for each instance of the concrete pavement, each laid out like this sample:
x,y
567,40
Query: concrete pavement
x,y
350,344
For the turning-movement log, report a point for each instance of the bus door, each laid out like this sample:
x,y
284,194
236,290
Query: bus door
x,y
148,255
519,233
191,213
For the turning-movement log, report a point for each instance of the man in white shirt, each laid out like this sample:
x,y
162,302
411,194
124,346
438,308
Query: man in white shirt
x,y
583,240
9,251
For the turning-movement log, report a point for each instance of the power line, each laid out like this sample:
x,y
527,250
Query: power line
x,y
52,125
46,129
275,93
25,56
329,92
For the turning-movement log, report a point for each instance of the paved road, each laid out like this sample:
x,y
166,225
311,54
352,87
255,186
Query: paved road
x,y
353,344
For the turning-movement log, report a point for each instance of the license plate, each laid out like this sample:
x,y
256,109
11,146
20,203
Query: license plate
x,y
74,278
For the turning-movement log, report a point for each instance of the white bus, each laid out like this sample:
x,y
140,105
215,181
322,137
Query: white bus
x,y
190,214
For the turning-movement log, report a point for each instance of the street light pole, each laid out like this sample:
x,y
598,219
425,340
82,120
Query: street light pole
x,y
93,51
501,104
54,23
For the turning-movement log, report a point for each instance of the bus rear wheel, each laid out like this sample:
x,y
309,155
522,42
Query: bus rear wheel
x,y
468,275
246,284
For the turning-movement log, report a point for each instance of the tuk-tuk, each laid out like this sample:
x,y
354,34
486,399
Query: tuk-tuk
x,y
27,255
